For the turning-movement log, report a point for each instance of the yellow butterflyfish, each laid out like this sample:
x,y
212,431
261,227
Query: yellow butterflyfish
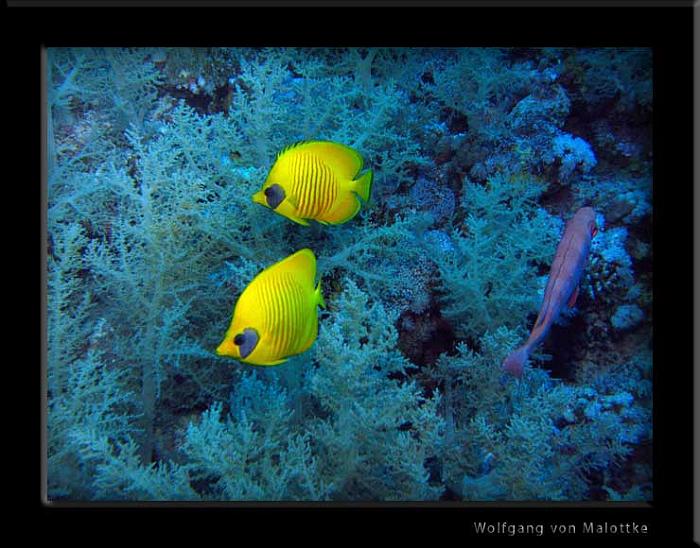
x,y
316,180
276,315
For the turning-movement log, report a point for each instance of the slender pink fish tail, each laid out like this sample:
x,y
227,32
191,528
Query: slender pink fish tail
x,y
515,362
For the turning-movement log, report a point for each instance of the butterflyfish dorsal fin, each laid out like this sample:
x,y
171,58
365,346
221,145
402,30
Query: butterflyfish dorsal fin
x,y
345,161
301,264
291,147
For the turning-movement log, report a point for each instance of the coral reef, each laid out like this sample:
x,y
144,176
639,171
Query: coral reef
x,y
479,157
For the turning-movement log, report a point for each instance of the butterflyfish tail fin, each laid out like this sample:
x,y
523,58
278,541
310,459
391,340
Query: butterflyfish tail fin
x,y
363,186
319,296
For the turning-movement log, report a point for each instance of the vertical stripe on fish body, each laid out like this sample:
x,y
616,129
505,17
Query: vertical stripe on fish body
x,y
276,316
316,180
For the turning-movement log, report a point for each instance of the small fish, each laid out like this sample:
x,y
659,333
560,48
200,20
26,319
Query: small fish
x,y
276,315
316,180
562,284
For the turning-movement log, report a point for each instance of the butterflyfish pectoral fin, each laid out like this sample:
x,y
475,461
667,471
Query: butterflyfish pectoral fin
x,y
287,209
293,201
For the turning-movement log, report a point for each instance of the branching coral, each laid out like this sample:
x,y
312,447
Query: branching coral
x,y
573,153
489,280
378,433
531,439
153,156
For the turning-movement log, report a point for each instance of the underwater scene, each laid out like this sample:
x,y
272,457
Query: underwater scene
x,y
348,274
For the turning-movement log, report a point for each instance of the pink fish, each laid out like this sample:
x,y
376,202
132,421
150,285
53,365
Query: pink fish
x,y
562,284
